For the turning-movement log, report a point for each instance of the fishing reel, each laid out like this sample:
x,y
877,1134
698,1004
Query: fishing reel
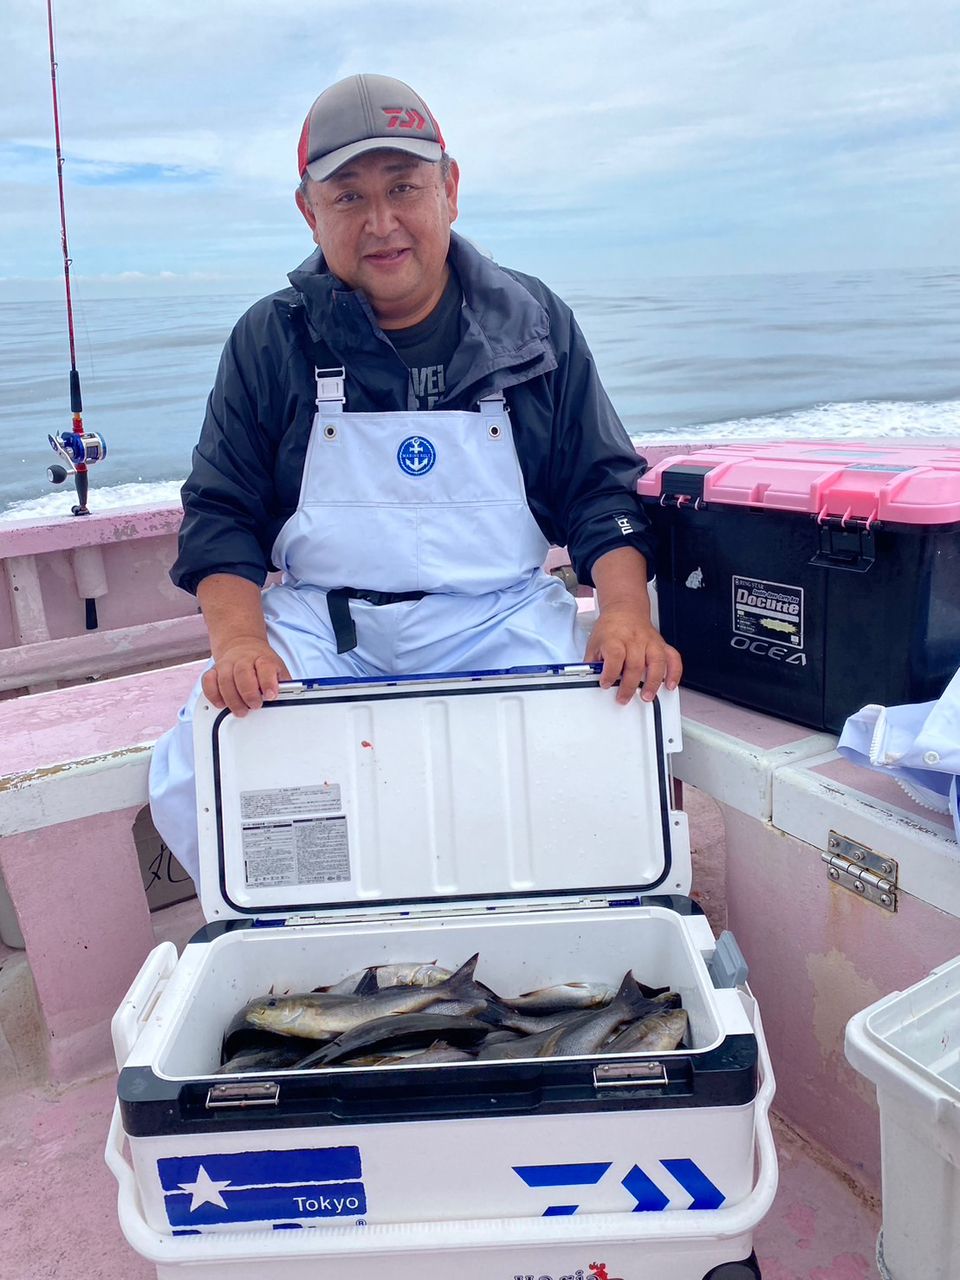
x,y
79,450
76,451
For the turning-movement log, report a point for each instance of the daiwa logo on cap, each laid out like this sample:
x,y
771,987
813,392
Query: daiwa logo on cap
x,y
261,1186
403,118
416,455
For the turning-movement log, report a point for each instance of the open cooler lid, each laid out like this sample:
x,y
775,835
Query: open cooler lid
x,y
855,481
400,795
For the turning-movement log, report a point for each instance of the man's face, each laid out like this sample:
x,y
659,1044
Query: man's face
x,y
383,223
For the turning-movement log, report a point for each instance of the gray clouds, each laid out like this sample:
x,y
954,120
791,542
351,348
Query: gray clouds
x,y
723,135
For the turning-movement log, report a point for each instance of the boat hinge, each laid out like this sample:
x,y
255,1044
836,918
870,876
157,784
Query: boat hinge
x,y
857,868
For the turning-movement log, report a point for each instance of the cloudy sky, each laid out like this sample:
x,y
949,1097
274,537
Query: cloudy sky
x,y
605,139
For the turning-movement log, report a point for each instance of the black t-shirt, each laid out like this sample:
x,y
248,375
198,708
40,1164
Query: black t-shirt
x,y
427,348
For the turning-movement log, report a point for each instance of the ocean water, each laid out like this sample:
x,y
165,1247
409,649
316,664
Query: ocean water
x,y
765,357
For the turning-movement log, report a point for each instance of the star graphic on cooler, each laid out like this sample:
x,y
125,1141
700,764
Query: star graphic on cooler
x,y
205,1190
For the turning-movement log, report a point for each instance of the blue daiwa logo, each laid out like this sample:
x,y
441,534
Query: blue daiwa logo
x,y
647,1195
416,455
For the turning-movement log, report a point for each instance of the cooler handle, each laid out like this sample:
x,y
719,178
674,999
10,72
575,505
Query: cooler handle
x,y
117,1162
768,1084
140,1000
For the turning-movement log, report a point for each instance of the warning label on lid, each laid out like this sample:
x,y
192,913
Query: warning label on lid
x,y
294,835
305,851
291,802
773,610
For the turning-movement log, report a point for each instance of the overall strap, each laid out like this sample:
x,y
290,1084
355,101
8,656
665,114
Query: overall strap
x,y
494,414
330,376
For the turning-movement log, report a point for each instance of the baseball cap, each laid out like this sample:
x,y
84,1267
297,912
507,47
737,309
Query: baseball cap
x,y
365,113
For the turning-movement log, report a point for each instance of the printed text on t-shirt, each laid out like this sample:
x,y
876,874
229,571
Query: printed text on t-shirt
x,y
428,384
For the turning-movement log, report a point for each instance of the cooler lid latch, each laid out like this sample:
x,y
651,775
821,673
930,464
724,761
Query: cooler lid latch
x,y
628,1075
682,485
243,1094
845,543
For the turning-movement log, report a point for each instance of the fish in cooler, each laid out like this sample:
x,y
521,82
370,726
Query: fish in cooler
x,y
322,1015
428,974
455,1018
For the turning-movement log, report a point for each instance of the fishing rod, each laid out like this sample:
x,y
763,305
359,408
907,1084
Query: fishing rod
x,y
78,450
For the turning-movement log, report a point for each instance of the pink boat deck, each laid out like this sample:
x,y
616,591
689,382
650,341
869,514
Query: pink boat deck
x,y
58,1216
817,953
809,971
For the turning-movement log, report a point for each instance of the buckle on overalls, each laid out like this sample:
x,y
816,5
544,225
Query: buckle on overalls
x,y
330,386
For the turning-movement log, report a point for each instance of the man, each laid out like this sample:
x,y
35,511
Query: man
x,y
402,433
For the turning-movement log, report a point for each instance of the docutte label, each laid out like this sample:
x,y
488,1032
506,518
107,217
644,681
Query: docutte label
x,y
768,610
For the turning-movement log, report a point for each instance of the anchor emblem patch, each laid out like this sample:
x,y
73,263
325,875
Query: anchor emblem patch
x,y
416,455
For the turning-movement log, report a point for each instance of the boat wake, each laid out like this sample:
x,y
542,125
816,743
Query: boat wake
x,y
856,420
160,493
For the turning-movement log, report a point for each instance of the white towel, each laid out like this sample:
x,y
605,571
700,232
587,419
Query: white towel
x,y
918,744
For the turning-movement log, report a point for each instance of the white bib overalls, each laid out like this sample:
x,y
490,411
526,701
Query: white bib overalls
x,y
396,504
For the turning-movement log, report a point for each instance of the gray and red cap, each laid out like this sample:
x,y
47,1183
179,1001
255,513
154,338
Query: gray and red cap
x,y
365,113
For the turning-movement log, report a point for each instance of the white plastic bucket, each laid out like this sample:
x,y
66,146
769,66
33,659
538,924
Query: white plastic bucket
x,y
908,1044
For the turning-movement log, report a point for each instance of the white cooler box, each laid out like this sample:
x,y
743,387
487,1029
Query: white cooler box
x,y
908,1044
521,815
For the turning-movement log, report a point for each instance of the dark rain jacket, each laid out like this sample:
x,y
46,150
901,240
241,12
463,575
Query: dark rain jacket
x,y
578,464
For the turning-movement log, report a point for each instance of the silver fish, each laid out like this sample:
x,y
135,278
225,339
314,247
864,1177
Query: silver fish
x,y
538,1045
502,1036
587,1036
439,1051
468,1007
546,1043
659,1033
318,1015
271,1059
416,1030
528,1024
561,998
414,974
241,1037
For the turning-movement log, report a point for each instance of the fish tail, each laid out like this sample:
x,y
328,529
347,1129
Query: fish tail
x,y
629,990
630,997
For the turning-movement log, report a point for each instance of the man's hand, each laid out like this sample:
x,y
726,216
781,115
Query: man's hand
x,y
624,639
247,674
632,650
247,670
